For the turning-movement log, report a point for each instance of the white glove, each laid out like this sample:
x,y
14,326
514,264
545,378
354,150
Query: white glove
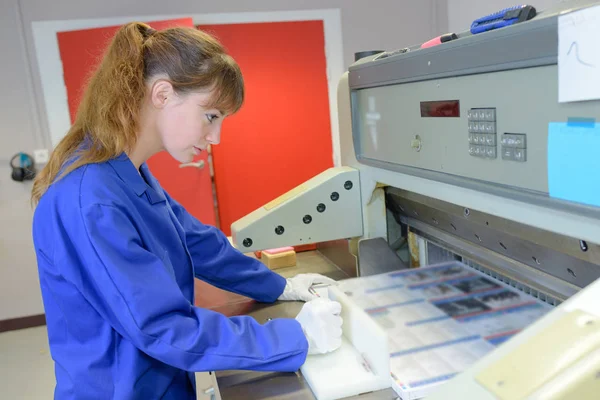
x,y
322,325
297,288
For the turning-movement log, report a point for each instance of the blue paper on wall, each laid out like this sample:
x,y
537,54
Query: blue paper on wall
x,y
574,162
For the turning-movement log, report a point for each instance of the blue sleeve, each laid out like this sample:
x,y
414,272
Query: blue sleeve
x,y
132,289
217,262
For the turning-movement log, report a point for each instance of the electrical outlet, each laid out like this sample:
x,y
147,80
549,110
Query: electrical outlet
x,y
40,156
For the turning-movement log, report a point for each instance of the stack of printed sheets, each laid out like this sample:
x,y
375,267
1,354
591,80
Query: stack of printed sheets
x,y
441,319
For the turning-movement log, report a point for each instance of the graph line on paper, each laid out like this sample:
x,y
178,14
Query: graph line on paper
x,y
575,46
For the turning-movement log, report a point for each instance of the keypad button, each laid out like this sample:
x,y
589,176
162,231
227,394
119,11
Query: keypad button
x,y
514,140
519,155
508,153
518,142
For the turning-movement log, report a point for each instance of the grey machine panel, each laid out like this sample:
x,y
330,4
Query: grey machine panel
x,y
524,102
505,87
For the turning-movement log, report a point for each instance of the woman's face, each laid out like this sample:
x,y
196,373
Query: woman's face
x,y
186,127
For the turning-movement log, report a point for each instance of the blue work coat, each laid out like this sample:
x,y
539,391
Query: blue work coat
x,y
117,258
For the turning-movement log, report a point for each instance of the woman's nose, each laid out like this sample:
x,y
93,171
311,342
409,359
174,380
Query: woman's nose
x,y
214,137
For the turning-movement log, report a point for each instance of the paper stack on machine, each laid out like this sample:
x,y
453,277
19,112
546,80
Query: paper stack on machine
x,y
440,320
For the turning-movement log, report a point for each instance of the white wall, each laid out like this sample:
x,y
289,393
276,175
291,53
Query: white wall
x,y
461,13
19,293
379,24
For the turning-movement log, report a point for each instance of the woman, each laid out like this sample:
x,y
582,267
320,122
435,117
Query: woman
x,y
117,255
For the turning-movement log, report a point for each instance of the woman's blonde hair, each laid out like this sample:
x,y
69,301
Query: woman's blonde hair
x,y
108,115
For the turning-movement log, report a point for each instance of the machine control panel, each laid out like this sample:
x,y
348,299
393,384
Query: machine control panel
x,y
514,147
482,132
483,137
473,126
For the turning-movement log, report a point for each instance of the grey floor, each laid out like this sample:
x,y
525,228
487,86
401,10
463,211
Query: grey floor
x,y
27,370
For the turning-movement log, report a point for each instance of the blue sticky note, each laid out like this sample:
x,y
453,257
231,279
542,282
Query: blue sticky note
x,y
574,162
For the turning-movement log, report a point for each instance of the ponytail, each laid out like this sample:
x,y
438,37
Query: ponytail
x,y
108,115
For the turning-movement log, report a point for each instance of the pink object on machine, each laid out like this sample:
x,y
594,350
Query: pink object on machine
x,y
279,250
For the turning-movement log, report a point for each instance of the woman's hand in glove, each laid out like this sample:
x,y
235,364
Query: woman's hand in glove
x,y
297,288
322,325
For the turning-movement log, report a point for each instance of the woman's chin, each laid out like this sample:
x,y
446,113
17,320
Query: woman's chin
x,y
183,158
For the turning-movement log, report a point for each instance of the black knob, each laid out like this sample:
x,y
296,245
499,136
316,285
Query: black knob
x,y
279,230
247,242
335,196
307,219
583,245
321,207
348,185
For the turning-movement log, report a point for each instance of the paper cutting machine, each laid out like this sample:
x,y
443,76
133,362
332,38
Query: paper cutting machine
x,y
447,149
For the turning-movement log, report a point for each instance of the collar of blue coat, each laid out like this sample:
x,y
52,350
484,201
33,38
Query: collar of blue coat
x,y
139,184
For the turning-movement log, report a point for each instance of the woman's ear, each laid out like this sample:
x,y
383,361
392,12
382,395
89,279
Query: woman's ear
x,y
161,93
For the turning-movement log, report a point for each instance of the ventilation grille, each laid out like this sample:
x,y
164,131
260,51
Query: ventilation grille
x,y
517,285
437,255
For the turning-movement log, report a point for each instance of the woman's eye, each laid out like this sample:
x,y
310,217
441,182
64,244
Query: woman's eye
x,y
211,117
